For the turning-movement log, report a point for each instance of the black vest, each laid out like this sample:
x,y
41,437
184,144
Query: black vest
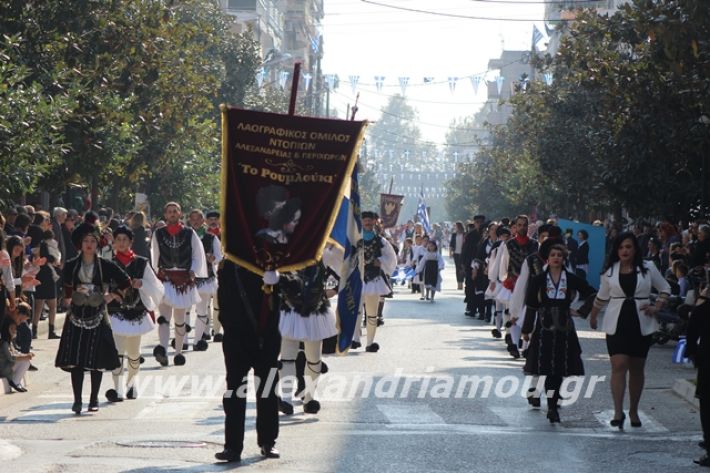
x,y
208,245
175,251
373,250
304,291
518,254
131,308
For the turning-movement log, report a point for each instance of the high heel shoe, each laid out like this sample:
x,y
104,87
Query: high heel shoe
x,y
619,422
76,407
553,416
636,424
16,387
94,405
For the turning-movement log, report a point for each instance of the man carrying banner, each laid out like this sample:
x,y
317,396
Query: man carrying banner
x,y
250,319
178,255
380,261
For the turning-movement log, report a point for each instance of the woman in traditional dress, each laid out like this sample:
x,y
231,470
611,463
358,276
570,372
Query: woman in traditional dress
x,y
87,341
429,268
554,350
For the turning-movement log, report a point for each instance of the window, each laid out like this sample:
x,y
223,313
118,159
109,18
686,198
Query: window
x,y
249,5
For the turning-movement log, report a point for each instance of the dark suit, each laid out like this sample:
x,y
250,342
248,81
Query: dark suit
x,y
468,253
698,349
247,348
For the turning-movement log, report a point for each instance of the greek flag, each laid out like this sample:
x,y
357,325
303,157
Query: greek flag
x,y
537,36
348,232
422,212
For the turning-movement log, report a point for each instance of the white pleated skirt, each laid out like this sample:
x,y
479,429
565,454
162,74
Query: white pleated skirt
x,y
314,328
209,288
131,328
376,287
182,300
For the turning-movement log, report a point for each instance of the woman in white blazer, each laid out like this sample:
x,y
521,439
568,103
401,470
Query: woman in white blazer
x,y
629,320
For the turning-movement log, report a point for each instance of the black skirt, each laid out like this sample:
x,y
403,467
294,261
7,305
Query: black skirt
x,y
628,339
90,349
554,353
431,273
47,288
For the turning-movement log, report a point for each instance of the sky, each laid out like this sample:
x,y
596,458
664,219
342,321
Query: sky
x,y
368,40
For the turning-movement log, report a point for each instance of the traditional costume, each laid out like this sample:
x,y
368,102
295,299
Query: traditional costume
x,y
306,317
87,342
554,350
207,287
178,255
130,318
429,268
509,262
376,248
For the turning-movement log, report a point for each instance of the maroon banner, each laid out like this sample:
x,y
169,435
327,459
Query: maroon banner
x,y
283,179
390,206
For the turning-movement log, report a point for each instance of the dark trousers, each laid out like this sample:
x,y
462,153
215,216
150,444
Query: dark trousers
x,y
459,268
240,356
479,305
470,292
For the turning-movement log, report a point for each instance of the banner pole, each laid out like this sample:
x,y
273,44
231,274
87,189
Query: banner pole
x,y
294,88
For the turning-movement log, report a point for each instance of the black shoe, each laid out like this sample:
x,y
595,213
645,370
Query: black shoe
x,y
513,350
160,355
76,407
132,393
179,359
533,398
701,444
553,416
16,387
704,461
285,407
112,396
228,455
508,340
218,337
481,317
269,451
94,405
618,422
421,298
380,321
468,313
496,333
355,345
53,336
636,424
372,348
32,368
206,337
311,407
201,345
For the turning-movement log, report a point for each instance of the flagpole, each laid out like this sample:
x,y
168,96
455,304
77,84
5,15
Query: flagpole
x,y
294,88
391,182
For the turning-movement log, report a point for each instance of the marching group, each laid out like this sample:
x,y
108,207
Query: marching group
x,y
118,279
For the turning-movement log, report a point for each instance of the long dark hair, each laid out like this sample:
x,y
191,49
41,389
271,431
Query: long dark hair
x,y
613,256
16,263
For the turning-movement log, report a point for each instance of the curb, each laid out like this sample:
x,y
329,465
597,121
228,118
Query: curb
x,y
686,390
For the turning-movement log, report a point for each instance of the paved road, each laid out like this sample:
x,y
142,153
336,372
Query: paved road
x,y
176,424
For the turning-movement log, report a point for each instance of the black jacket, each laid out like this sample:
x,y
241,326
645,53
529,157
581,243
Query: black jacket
x,y
698,336
470,247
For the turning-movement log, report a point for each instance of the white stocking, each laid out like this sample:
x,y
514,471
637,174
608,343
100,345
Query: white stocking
x,y
166,312
313,367
371,303
287,371
180,332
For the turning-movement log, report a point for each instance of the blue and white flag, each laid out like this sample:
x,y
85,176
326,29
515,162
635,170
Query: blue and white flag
x,y
537,36
403,82
351,274
422,212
